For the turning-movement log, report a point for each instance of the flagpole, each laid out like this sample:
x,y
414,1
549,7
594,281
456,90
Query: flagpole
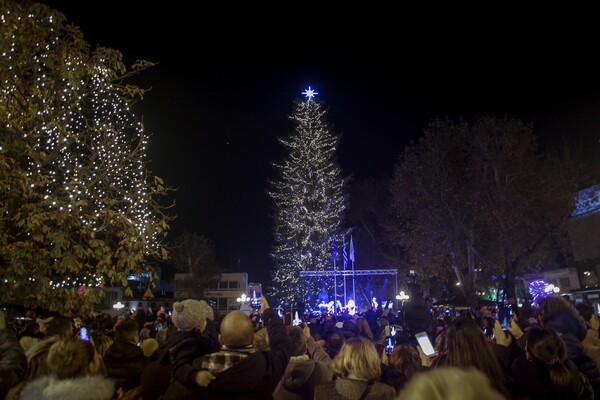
x,y
334,275
353,276
345,265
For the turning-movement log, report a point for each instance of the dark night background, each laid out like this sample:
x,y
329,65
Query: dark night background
x,y
224,87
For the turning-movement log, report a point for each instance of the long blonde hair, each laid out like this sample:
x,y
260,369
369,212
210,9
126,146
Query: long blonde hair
x,y
72,357
358,356
450,383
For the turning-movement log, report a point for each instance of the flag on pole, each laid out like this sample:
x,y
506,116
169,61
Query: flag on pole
x,y
351,249
334,250
344,254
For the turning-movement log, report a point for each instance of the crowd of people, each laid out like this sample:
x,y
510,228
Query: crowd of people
x,y
549,352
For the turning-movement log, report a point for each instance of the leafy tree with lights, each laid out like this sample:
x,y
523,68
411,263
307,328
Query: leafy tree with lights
x,y
309,204
193,256
80,211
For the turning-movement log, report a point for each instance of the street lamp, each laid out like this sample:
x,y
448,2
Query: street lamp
x,y
552,289
402,297
243,298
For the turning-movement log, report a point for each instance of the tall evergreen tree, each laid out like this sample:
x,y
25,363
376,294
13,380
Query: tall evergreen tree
x,y
308,207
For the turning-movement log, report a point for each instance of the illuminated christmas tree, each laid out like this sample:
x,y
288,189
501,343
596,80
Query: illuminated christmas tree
x,y
308,204
79,211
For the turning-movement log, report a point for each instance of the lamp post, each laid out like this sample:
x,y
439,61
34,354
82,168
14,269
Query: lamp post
x,y
243,300
402,297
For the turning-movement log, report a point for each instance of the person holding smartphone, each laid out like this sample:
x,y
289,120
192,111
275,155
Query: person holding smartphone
x,y
239,369
465,346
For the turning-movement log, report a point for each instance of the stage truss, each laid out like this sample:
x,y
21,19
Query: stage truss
x,y
358,272
352,273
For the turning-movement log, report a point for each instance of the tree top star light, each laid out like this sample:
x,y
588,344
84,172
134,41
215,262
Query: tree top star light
x,y
309,93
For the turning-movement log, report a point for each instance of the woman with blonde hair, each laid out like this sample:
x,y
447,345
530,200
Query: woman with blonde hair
x,y
37,365
450,383
75,372
358,370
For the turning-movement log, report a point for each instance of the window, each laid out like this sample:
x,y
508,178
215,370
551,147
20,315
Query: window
x,y
565,283
234,285
222,303
223,285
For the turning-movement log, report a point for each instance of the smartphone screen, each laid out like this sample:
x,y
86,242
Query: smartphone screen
x,y
84,333
504,317
425,343
255,294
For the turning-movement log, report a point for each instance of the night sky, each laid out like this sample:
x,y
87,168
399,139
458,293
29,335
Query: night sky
x,y
223,90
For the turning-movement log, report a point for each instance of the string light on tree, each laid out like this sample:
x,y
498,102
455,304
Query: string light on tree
x,y
308,203
80,210
540,289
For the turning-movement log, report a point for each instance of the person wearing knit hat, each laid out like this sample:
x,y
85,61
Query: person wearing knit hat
x,y
189,341
190,314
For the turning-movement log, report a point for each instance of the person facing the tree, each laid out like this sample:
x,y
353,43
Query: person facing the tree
x,y
417,315
189,341
239,369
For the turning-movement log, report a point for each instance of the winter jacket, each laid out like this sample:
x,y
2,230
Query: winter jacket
x,y
303,373
180,349
352,389
573,330
89,387
125,362
530,383
243,374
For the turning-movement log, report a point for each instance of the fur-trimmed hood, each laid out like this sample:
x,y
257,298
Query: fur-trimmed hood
x,y
90,387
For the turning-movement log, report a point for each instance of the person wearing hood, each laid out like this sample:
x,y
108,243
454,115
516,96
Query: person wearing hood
x,y
309,365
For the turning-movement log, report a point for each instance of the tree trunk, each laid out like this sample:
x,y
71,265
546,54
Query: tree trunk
x,y
509,271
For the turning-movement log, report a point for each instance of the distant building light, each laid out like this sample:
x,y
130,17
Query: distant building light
x,y
118,305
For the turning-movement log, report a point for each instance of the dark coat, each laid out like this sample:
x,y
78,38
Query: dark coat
x,y
531,384
254,377
179,351
417,316
155,380
124,363
573,329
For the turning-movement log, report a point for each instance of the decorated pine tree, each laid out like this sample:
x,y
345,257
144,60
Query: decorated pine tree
x,y
308,205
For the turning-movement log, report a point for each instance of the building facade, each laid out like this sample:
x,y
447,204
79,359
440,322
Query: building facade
x,y
224,298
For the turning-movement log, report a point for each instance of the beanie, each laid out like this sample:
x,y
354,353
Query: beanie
x,y
149,346
189,314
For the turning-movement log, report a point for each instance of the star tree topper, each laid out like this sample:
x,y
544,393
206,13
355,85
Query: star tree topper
x,y
309,93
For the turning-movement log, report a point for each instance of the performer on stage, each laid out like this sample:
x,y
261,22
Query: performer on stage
x,y
323,296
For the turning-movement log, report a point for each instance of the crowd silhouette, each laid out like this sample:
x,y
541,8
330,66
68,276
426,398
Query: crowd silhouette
x,y
550,352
